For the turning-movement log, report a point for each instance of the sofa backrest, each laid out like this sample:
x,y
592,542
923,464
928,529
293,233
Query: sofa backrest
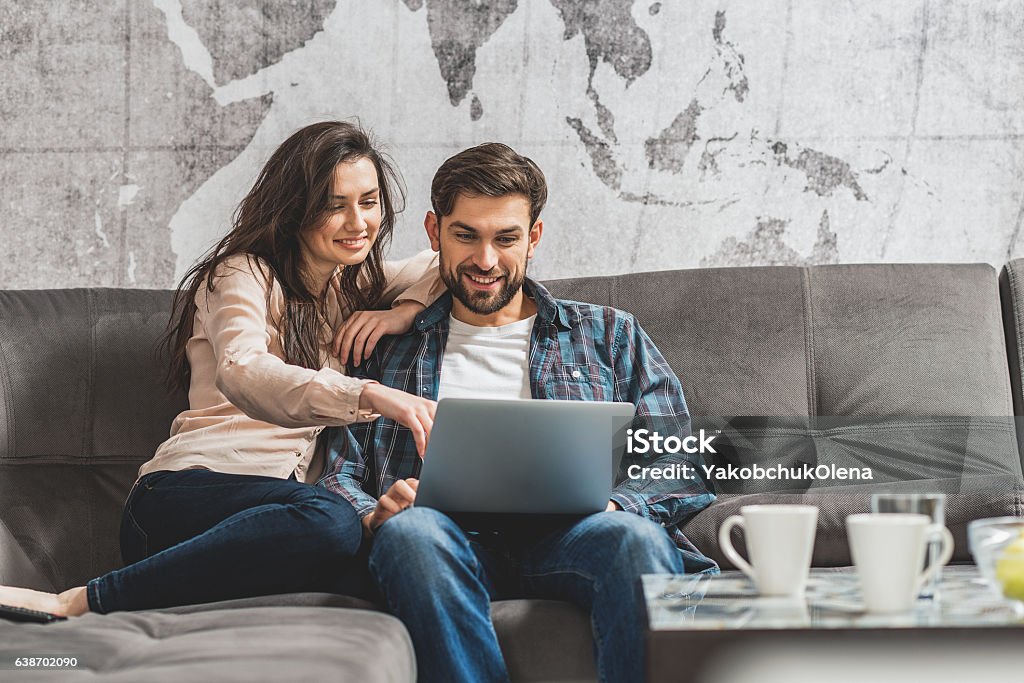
x,y
848,340
83,403
82,407
888,343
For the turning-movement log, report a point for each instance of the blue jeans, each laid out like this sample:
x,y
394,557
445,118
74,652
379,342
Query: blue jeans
x,y
440,580
200,536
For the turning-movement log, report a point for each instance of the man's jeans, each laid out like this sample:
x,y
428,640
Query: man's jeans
x,y
440,581
200,536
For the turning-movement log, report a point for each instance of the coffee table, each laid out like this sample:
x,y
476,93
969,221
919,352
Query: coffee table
x,y
716,628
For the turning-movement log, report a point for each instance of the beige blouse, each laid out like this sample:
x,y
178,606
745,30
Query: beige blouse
x,y
249,411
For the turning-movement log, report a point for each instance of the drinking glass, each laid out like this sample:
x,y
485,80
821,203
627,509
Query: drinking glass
x,y
931,504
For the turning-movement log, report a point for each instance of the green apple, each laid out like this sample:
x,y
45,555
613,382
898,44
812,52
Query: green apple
x,y
1010,569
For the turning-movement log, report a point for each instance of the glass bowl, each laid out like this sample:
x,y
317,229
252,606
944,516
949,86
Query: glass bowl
x,y
988,540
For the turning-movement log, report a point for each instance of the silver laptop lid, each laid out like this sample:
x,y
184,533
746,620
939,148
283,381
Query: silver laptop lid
x,y
523,456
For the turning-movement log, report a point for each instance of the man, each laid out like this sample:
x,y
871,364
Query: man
x,y
497,334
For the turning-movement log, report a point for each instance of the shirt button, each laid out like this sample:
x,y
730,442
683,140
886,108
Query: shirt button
x,y
298,454
352,411
576,374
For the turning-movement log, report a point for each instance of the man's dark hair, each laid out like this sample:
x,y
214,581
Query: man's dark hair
x,y
489,170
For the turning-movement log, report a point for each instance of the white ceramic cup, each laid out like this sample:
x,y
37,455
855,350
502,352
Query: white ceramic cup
x,y
780,539
888,551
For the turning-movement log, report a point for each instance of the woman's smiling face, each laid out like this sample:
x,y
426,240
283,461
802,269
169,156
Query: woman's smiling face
x,y
350,225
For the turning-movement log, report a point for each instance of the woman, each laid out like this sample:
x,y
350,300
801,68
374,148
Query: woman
x,y
223,509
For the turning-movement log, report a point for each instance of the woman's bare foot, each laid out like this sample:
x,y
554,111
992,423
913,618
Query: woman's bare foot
x,y
70,603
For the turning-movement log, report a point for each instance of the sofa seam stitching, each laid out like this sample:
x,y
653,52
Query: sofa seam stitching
x,y
88,437
65,459
88,426
1008,395
856,430
8,402
812,394
1014,295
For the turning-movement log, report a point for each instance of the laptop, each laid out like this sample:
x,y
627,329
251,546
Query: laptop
x,y
523,456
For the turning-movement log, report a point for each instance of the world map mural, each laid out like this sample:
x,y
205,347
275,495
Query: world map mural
x,y
672,134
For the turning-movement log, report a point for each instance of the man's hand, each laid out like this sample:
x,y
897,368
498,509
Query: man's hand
x,y
407,410
362,330
612,506
397,498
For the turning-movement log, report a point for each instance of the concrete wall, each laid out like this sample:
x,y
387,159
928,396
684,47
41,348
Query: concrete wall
x,y
674,134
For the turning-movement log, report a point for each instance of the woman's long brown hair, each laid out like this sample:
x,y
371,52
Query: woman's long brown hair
x,y
291,195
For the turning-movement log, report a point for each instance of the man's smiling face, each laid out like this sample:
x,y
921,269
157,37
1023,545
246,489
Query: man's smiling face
x,y
485,245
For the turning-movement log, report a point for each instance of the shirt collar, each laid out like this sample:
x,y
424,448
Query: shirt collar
x,y
549,309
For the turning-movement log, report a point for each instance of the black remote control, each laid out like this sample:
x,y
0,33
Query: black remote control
x,y
30,615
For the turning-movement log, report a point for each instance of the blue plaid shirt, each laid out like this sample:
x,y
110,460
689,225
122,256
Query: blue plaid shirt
x,y
579,352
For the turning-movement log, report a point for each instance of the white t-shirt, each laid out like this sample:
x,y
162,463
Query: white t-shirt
x,y
486,362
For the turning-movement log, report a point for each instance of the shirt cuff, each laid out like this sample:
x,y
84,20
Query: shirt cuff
x,y
362,502
364,508
631,502
334,397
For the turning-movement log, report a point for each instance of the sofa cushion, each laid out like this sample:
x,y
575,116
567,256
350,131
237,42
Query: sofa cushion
x,y
871,339
79,375
234,644
82,405
60,520
544,640
279,600
735,337
541,640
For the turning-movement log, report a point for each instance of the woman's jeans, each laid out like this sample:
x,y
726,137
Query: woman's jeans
x,y
199,536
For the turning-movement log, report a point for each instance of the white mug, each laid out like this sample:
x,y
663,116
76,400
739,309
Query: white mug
x,y
888,551
780,539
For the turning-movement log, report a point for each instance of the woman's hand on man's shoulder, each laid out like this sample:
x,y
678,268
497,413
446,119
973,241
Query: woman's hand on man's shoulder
x,y
361,331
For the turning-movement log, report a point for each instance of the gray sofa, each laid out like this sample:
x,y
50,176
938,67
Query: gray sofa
x,y
900,345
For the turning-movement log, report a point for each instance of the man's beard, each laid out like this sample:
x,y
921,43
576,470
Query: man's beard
x,y
482,303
